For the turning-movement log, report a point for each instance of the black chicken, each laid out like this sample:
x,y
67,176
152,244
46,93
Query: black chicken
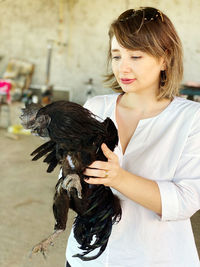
x,y
75,140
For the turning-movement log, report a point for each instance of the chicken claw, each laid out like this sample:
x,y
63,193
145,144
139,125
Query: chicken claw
x,y
72,181
43,245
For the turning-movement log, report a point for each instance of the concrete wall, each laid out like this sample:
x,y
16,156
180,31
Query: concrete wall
x,y
27,25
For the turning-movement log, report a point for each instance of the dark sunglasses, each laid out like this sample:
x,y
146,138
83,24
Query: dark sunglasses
x,y
148,14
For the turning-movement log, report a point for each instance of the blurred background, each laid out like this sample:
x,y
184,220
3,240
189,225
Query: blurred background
x,y
51,50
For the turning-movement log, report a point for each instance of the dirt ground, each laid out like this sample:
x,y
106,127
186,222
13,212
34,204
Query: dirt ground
x,y
26,193
26,197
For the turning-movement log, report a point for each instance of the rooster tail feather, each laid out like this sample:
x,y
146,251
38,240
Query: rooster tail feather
x,y
83,258
93,228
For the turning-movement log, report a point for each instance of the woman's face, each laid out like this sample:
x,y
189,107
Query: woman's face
x,y
135,71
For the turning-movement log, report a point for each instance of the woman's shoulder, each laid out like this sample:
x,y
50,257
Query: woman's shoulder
x,y
99,104
184,105
188,111
100,99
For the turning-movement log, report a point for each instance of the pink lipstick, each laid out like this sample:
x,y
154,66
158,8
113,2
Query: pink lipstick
x,y
127,81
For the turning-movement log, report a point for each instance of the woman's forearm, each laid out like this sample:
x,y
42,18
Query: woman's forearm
x,y
141,190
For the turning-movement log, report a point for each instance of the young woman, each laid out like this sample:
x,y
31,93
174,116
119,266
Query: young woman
x,y
155,170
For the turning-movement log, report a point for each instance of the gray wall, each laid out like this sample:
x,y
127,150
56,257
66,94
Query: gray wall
x,y
27,25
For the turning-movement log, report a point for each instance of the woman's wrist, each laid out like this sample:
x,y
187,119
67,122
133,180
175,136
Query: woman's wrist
x,y
120,179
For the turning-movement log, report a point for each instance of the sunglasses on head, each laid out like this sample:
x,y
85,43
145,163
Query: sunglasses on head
x,y
148,14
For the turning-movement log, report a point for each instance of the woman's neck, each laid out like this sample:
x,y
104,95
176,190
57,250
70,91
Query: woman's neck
x,y
143,105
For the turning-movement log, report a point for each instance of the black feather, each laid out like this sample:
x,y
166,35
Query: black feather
x,y
75,142
44,147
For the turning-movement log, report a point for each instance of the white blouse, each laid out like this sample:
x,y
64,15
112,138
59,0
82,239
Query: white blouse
x,y
164,148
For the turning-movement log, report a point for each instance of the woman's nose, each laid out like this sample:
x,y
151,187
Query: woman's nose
x,y
125,66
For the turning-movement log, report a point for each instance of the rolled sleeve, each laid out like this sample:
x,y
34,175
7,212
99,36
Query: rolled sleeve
x,y
180,197
179,200
169,201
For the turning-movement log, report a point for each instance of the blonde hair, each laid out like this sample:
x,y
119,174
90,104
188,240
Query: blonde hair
x,y
149,30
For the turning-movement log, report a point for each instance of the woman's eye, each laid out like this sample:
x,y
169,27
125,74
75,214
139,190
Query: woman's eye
x,y
134,57
116,57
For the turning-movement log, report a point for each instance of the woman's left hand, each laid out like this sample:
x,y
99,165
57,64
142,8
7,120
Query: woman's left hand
x,y
108,172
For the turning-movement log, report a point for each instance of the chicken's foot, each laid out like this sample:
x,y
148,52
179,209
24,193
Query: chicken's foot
x,y
43,245
72,181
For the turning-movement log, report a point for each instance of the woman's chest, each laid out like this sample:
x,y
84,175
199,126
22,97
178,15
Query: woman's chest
x,y
126,129
154,151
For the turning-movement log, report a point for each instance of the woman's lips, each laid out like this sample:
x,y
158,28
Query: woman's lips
x,y
127,81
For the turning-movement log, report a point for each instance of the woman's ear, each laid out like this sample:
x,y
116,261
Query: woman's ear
x,y
164,59
163,67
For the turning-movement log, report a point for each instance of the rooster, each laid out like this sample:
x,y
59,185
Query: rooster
x,y
75,137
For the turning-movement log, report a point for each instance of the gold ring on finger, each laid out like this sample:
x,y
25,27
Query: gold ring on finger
x,y
106,174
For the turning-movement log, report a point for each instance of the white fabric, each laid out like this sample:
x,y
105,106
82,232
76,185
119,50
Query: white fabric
x,y
165,148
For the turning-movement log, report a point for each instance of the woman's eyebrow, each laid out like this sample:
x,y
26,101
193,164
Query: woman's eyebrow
x,y
114,50
130,51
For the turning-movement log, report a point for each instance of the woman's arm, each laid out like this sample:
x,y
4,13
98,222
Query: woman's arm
x,y
141,190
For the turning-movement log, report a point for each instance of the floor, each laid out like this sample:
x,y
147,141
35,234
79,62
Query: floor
x,y
26,194
26,197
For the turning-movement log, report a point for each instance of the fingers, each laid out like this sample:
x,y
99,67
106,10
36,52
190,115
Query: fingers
x,y
95,172
104,165
111,156
97,181
102,172
108,153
